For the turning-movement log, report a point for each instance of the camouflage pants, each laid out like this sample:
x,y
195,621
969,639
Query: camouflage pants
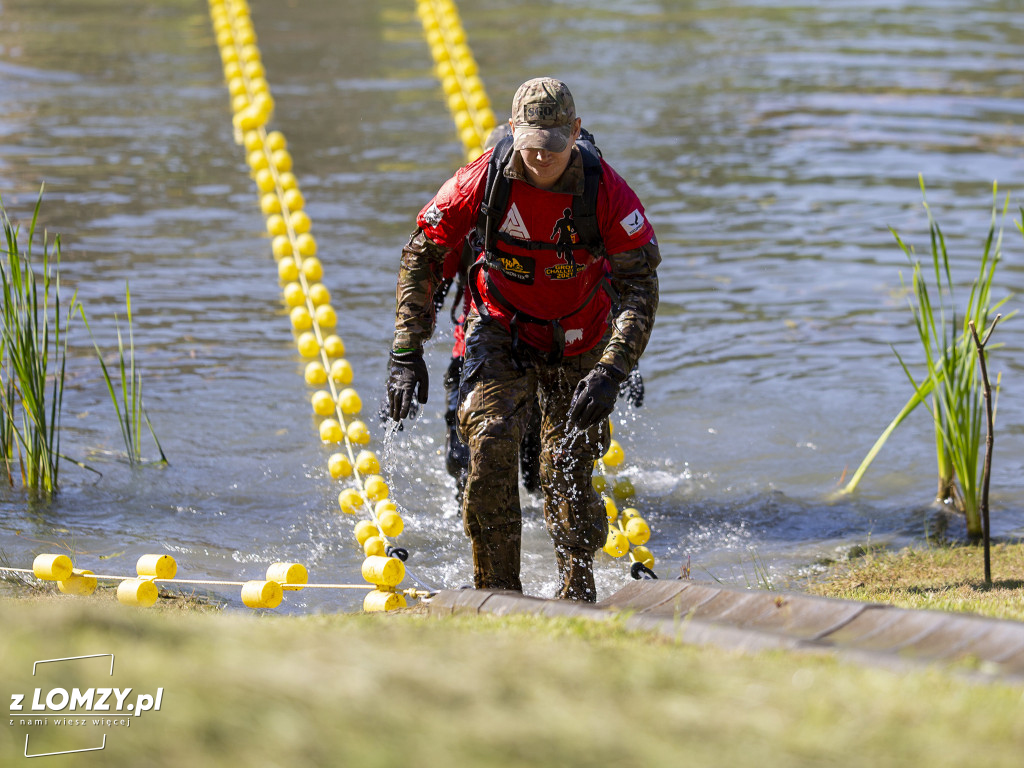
x,y
496,401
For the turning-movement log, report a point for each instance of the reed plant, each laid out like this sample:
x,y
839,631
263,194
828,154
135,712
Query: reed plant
x,y
7,400
950,384
32,342
127,397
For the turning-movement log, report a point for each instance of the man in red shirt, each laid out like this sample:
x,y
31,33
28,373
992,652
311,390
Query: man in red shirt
x,y
564,295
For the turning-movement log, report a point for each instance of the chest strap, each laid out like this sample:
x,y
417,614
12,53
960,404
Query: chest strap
x,y
557,352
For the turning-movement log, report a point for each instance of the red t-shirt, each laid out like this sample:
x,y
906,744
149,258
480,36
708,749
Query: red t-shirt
x,y
545,283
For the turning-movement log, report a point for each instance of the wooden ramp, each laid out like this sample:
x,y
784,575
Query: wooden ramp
x,y
701,613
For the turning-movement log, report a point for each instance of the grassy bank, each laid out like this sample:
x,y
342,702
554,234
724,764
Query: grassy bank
x,y
945,578
411,690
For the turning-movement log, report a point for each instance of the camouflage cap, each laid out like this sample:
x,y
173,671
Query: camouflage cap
x,y
543,115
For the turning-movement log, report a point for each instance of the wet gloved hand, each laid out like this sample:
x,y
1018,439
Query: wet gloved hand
x,y
594,399
384,411
633,388
408,378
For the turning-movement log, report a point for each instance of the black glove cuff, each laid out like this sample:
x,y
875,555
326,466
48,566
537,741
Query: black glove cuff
x,y
407,355
611,373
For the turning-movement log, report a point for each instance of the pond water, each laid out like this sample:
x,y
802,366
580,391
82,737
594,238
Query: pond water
x,y
773,144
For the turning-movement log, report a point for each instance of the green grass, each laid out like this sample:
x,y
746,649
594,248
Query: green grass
x,y
945,578
411,690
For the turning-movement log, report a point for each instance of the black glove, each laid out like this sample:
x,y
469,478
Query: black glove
x,y
408,377
384,411
593,400
633,388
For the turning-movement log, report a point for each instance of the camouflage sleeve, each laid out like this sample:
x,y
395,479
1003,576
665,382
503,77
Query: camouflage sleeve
x,y
635,277
418,278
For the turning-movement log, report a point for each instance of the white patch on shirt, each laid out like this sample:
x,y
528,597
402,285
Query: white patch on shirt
x,y
573,335
513,224
633,223
433,215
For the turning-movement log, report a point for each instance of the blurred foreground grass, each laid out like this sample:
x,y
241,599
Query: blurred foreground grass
x,y
412,690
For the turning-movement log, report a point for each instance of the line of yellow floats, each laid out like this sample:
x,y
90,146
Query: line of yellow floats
x,y
141,590
313,319
457,71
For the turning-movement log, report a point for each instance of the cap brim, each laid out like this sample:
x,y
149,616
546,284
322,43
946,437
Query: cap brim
x,y
554,139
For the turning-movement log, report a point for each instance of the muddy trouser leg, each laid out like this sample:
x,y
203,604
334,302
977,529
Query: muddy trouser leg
x,y
495,404
573,512
529,452
456,451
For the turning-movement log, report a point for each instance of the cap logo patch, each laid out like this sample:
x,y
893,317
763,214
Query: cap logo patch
x,y
540,113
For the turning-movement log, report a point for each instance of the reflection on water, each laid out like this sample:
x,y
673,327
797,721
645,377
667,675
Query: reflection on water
x,y
772,144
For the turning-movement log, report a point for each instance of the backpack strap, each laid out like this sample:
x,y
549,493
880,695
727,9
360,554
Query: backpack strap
x,y
584,207
496,192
